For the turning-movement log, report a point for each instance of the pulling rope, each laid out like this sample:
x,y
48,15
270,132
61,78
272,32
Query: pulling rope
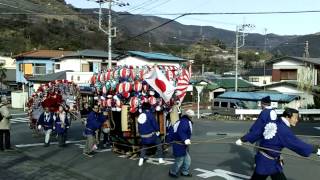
x,y
215,141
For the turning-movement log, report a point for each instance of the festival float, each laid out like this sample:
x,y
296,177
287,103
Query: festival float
x,y
122,90
52,95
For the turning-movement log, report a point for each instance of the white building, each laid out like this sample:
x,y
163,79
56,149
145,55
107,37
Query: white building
x,y
84,61
139,58
259,76
8,62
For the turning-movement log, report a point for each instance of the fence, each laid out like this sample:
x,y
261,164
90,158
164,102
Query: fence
x,y
304,113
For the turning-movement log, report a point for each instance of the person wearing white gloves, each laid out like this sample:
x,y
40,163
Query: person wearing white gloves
x,y
277,135
181,137
149,131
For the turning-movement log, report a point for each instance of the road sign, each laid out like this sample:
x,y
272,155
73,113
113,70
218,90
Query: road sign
x,y
199,90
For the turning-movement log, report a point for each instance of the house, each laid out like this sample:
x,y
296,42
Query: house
x,y
252,100
84,61
139,58
305,71
9,82
37,62
258,76
218,86
8,62
295,75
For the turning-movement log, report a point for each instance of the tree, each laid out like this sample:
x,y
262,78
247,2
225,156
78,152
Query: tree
x,y
2,74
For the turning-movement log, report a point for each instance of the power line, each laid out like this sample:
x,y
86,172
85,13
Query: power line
x,y
149,30
157,5
166,14
142,5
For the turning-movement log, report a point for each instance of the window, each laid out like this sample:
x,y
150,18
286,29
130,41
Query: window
x,y
288,74
57,66
78,78
26,69
39,69
233,105
85,68
254,79
224,104
21,67
216,104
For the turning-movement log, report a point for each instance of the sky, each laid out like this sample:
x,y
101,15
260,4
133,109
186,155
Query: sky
x,y
281,24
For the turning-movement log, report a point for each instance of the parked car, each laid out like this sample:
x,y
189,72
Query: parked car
x,y
7,94
227,107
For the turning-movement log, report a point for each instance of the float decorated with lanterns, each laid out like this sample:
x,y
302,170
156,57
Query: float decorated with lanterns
x,y
122,90
52,95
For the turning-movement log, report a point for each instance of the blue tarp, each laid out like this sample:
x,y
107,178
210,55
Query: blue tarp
x,y
257,96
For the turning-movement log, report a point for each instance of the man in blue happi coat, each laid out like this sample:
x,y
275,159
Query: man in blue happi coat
x,y
46,121
149,131
277,135
181,137
94,122
267,114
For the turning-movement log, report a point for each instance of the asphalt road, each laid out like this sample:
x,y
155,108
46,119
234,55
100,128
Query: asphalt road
x,y
210,160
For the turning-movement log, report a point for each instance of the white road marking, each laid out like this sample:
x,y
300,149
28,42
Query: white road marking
x,y
41,144
167,161
81,146
19,114
221,173
20,120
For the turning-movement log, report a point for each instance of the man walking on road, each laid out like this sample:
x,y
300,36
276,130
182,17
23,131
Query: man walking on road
x,y
182,131
4,125
94,122
276,136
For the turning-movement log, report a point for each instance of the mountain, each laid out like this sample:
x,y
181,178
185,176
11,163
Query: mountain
x,y
62,26
296,46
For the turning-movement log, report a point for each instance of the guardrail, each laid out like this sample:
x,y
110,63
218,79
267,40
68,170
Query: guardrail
x,y
243,112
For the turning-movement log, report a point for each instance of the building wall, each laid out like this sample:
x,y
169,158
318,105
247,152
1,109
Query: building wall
x,y
8,62
136,61
76,64
258,80
287,64
20,73
306,97
306,73
80,78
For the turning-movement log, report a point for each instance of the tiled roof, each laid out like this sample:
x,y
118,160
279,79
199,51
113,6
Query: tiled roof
x,y
43,54
91,53
257,96
229,83
259,72
300,59
49,77
155,56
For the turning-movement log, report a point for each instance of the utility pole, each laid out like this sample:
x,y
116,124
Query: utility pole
x,y
202,72
306,50
109,32
109,37
240,28
264,61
